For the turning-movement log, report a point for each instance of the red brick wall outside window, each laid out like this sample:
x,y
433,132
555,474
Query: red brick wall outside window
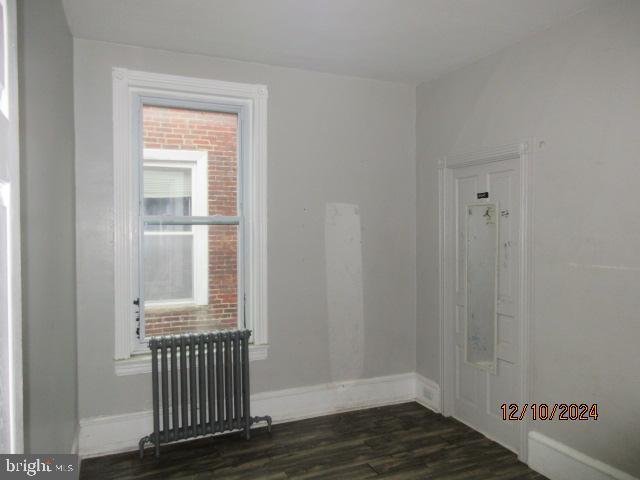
x,y
215,133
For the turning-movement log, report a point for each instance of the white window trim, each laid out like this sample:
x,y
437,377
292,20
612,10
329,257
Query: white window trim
x,y
129,85
139,364
197,161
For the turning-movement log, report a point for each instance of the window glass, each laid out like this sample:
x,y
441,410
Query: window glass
x,y
167,191
167,182
190,271
191,279
215,133
168,267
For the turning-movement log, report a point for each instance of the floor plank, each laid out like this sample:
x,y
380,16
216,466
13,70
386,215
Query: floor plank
x,y
401,442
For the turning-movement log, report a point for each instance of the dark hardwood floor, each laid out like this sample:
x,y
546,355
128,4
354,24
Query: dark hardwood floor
x,y
404,441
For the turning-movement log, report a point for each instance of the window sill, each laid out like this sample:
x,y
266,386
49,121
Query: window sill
x,y
140,364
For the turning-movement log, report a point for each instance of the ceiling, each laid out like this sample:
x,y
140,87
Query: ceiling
x,y
402,40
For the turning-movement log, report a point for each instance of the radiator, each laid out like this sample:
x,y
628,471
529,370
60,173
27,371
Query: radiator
x,y
200,386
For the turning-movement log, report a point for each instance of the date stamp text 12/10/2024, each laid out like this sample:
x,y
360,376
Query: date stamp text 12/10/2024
x,y
582,412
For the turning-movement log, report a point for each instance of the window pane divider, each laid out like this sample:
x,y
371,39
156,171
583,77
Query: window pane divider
x,y
169,233
171,220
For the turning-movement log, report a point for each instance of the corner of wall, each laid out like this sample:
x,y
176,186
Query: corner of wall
x,y
48,245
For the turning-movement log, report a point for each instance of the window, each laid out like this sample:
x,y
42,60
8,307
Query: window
x,y
190,210
175,258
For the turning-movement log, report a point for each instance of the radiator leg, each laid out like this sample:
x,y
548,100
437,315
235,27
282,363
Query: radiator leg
x,y
266,418
247,431
155,440
143,441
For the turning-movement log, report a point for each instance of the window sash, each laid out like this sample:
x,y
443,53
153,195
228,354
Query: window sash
x,y
202,236
179,159
140,342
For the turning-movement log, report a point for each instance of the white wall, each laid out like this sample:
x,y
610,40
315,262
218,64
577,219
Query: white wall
x,y
575,87
48,227
332,140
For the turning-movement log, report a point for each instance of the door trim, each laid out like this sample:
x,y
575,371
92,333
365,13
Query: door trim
x,y
10,190
523,151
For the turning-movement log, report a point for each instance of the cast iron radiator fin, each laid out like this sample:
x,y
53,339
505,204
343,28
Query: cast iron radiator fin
x,y
200,386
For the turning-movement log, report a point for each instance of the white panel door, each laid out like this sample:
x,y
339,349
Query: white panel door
x,y
479,392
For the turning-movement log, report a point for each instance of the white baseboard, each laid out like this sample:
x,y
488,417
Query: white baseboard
x,y
558,461
325,399
428,393
119,433
114,433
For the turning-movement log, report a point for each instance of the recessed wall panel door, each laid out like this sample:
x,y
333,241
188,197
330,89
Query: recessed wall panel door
x,y
484,300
